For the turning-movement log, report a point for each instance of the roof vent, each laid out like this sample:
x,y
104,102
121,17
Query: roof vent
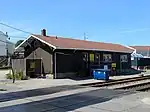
x,y
43,32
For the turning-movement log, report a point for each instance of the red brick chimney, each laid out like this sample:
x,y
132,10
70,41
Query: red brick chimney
x,y
43,32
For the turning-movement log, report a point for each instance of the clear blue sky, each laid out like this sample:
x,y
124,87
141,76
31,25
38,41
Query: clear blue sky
x,y
117,21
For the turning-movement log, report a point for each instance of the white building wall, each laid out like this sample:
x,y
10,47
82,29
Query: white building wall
x,y
3,45
11,47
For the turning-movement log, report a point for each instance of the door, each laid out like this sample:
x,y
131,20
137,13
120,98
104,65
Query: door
x,y
123,61
33,67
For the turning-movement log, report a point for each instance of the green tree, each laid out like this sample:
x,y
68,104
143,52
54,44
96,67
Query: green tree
x,y
18,42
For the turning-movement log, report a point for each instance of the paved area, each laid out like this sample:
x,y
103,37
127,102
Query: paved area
x,y
63,102
77,100
36,92
61,95
3,74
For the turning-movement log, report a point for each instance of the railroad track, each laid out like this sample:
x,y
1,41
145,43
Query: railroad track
x,y
117,82
136,87
145,89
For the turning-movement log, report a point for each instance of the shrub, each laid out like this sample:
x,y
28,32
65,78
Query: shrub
x,y
18,76
9,76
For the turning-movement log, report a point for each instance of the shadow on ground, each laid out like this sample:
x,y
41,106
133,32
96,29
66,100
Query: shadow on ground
x,y
67,103
35,92
80,78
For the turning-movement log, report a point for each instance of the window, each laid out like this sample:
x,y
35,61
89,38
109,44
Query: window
x,y
123,58
32,65
107,57
85,56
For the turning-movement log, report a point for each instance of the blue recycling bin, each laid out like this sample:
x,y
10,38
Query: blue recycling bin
x,y
101,74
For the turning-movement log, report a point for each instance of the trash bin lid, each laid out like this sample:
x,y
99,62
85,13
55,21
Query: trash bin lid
x,y
101,70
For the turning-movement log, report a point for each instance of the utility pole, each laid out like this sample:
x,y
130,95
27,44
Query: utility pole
x,y
8,58
7,48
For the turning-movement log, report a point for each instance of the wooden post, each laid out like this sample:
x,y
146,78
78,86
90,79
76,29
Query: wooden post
x,y
13,72
13,75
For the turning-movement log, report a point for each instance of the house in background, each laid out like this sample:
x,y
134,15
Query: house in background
x,y
140,57
6,49
143,50
65,57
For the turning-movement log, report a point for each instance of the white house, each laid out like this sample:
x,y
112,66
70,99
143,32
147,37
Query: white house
x,y
140,58
144,51
6,49
5,45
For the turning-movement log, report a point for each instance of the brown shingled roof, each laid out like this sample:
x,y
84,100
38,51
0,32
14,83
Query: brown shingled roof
x,y
68,43
141,48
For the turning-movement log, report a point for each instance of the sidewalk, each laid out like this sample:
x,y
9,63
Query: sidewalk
x,y
43,83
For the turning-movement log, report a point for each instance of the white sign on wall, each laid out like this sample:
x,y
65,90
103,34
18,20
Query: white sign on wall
x,y
105,67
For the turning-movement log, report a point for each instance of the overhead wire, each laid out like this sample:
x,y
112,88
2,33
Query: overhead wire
x,y
15,28
6,25
6,42
21,37
24,32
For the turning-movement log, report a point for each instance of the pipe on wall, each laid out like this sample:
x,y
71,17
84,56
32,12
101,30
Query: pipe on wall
x,y
55,65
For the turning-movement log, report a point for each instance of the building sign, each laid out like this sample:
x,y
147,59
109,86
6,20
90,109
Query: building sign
x,y
124,58
113,65
92,57
105,67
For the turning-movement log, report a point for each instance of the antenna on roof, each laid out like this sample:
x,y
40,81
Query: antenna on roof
x,y
85,36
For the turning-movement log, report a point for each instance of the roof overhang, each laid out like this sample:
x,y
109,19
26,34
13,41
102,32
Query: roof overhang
x,y
26,42
31,37
95,50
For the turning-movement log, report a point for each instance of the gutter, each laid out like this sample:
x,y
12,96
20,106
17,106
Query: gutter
x,y
94,50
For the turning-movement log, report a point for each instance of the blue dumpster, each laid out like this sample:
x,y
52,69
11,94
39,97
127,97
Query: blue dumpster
x,y
101,74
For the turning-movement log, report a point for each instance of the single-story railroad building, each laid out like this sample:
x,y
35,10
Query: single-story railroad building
x,y
67,57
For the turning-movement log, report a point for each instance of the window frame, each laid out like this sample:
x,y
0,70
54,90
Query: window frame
x,y
85,56
110,56
97,60
126,59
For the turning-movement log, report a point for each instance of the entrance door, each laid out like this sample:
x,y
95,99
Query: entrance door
x,y
33,67
123,61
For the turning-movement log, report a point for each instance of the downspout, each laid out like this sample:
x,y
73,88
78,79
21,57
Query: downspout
x,y
55,65
55,68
